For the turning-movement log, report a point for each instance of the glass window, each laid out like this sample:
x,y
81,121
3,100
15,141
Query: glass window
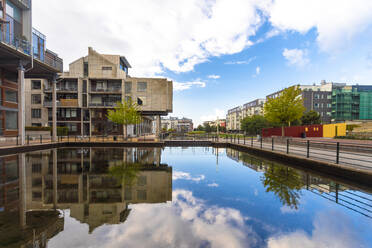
x,y
86,69
11,119
36,113
84,86
11,96
36,99
141,86
128,87
36,85
106,68
36,124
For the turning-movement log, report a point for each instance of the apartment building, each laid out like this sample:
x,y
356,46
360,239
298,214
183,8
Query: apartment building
x,y
180,125
92,86
220,122
253,108
352,103
233,118
317,98
23,55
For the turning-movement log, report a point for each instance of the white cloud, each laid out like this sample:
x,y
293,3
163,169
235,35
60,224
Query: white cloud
x,y
177,175
185,222
296,57
336,21
178,86
154,35
240,62
214,76
218,113
326,233
213,185
258,70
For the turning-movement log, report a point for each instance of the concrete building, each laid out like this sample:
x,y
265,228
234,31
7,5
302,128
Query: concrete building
x,y
317,98
23,54
94,84
233,118
253,108
180,125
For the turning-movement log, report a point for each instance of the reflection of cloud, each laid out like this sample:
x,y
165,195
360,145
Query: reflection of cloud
x,y
213,185
185,222
255,192
287,210
186,176
327,233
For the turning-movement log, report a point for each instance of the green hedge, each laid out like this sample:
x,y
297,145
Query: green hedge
x,y
62,131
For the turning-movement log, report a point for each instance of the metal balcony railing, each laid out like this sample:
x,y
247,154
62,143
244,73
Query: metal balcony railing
x,y
103,104
19,44
67,88
108,89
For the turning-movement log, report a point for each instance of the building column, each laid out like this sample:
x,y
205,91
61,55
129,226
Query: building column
x,y
54,109
21,104
158,125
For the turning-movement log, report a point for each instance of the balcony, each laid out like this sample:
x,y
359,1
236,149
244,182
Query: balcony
x,y
67,88
63,103
103,104
23,4
113,89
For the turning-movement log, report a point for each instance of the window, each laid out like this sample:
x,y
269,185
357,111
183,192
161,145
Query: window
x,y
84,86
316,96
36,85
329,96
316,105
36,99
11,119
86,69
10,96
329,105
36,124
141,86
128,87
36,113
85,100
106,68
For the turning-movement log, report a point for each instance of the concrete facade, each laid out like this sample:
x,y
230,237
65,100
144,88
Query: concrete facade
x,y
180,125
233,118
94,84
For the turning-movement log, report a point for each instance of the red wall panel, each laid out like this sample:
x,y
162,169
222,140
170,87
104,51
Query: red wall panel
x,y
295,131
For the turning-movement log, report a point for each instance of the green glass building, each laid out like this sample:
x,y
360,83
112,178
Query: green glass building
x,y
352,103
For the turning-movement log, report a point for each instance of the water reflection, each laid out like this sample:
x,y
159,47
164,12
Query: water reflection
x,y
287,184
96,185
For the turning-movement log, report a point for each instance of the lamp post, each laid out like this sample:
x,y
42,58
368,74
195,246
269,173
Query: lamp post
x,y
218,130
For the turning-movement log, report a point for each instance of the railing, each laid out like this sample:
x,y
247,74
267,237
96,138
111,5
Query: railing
x,y
345,153
103,104
67,88
18,43
109,89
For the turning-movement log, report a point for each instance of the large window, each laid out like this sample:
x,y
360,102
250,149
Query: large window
x,y
36,84
36,113
141,86
128,87
36,99
86,69
10,96
11,120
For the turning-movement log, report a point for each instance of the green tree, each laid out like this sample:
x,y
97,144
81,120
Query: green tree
x,y
207,128
310,118
125,172
254,124
125,113
285,108
200,128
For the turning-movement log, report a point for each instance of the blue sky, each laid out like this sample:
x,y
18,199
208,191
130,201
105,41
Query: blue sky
x,y
219,53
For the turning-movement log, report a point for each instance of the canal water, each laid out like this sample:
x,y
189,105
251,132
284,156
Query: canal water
x,y
174,197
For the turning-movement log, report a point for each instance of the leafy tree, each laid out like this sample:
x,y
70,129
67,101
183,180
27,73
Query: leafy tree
x,y
207,128
125,172
200,128
254,124
310,118
125,113
285,108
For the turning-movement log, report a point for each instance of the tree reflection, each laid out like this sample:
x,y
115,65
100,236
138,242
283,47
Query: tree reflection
x,y
125,172
285,183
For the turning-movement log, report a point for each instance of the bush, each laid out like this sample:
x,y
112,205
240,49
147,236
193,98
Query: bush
x,y
196,132
350,127
62,131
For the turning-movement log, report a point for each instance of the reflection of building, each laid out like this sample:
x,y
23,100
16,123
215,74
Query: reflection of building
x,y
180,125
97,184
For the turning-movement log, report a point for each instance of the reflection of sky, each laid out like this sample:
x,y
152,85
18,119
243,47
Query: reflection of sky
x,y
223,206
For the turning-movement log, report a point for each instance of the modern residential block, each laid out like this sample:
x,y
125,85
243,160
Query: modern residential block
x,y
180,125
23,54
92,86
